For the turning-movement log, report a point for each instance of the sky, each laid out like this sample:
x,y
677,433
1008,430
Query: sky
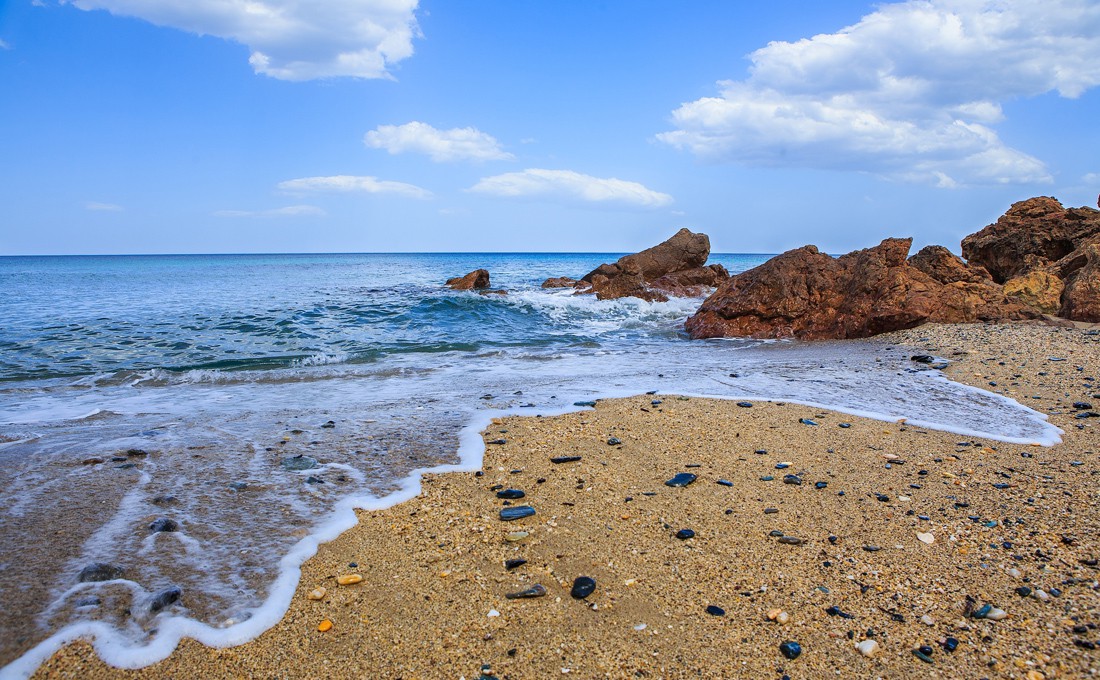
x,y
225,126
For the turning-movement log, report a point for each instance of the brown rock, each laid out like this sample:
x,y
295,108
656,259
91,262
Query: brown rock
x,y
691,282
559,282
1039,289
635,275
806,294
1033,234
1081,269
477,279
946,267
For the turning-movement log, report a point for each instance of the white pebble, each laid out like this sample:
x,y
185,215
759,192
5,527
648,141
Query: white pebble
x,y
1014,572
927,620
996,614
493,613
925,537
867,648
1041,595
640,626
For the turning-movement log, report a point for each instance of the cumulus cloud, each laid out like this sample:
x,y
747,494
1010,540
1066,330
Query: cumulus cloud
x,y
911,92
571,187
456,144
102,207
1091,178
289,39
349,184
287,211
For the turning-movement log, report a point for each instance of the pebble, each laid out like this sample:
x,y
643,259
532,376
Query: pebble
x,y
715,611
792,479
820,485
324,626
767,478
584,403
770,511
724,482
745,404
512,564
922,656
867,648
684,534
514,536
99,571
583,586
349,579
317,593
927,620
511,494
925,537
493,614
790,540
782,466
845,425
790,649
165,598
565,459
682,479
871,548
516,512
614,441
950,644
806,421
536,590
164,524
238,486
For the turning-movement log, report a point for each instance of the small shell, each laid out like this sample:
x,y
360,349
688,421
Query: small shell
x,y
349,579
867,648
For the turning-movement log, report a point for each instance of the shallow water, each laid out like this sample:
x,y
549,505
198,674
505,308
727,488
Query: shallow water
x,y
186,388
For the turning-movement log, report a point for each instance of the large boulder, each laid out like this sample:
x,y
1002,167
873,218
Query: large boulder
x,y
674,267
1045,254
946,267
475,280
807,294
1033,234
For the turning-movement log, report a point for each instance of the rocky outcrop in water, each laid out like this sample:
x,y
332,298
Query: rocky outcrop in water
x,y
807,294
475,280
1046,255
676,267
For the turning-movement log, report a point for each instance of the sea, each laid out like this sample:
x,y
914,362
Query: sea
x,y
191,427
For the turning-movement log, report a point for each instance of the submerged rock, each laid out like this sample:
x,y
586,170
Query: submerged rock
x,y
99,571
164,524
477,279
299,462
165,598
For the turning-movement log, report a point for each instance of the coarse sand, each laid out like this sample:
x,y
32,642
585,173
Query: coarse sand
x,y
910,534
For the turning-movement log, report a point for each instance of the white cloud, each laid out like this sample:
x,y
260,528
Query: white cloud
x,y
573,187
4,45
346,184
102,207
290,39
1091,178
287,211
456,144
909,92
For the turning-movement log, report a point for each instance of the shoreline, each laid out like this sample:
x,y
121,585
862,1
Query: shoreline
x,y
640,568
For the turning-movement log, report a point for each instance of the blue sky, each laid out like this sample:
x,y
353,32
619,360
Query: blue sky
x,y
154,126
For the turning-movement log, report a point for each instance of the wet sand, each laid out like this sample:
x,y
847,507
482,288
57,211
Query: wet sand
x,y
432,600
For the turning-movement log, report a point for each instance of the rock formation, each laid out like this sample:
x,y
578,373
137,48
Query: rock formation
x,y
1047,256
477,279
674,267
807,294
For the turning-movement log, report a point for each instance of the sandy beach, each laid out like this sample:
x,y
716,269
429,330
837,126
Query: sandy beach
x,y
809,526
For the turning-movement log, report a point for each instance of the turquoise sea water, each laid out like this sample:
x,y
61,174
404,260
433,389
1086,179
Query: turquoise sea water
x,y
137,388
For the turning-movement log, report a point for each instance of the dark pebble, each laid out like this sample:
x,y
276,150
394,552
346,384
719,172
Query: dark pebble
x,y
925,649
584,403
99,571
684,534
820,485
512,564
536,590
238,486
565,459
837,611
871,548
498,442
583,586
299,462
164,500
89,602
950,644
682,479
882,498
165,598
164,524
126,466
510,494
775,533
767,478
1023,591
724,482
517,512
1081,405
314,480
922,656
782,466
790,540
806,421
715,611
138,453
790,649
329,425
845,425
770,511
745,404
614,441
792,479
